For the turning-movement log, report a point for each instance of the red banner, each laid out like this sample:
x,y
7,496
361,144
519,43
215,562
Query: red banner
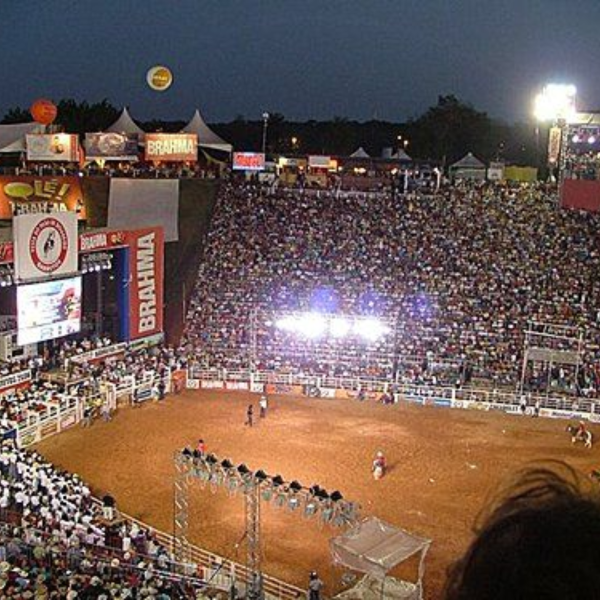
x,y
24,194
101,240
146,258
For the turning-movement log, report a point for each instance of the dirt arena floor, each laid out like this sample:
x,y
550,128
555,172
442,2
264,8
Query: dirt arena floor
x,y
444,464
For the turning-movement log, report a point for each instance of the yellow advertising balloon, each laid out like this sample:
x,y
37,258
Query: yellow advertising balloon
x,y
159,78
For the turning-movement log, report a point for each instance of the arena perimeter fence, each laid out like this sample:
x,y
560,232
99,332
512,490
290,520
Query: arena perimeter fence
x,y
373,388
216,571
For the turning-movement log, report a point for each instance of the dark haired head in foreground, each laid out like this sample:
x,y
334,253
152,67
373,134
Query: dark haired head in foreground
x,y
541,541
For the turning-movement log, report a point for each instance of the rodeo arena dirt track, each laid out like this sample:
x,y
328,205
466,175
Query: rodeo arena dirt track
x,y
443,465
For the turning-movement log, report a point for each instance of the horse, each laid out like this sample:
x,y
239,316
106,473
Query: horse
x,y
580,436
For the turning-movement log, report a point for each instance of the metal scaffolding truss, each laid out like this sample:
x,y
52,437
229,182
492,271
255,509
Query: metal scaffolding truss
x,y
183,475
313,502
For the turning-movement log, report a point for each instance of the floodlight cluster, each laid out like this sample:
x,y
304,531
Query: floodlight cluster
x,y
316,326
556,101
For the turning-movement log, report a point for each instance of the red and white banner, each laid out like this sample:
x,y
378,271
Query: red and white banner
x,y
248,161
146,258
53,147
101,240
45,245
177,147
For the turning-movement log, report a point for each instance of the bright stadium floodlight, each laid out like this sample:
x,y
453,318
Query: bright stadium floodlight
x,y
556,102
312,325
370,329
339,326
287,324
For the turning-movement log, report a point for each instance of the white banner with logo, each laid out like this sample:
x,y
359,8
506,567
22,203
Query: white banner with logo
x,y
45,245
53,147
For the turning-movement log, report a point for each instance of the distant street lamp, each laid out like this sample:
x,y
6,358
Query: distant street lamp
x,y
294,141
265,117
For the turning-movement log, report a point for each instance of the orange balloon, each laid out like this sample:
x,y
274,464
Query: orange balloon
x,y
43,111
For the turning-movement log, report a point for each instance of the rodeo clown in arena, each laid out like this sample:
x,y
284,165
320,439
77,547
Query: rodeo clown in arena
x,y
379,466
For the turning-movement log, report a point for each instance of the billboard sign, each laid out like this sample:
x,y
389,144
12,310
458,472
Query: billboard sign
x,y
111,146
48,310
248,161
174,147
45,245
53,147
319,162
146,257
23,194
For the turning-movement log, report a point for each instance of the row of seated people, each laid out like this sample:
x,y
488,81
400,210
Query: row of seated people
x,y
461,273
58,543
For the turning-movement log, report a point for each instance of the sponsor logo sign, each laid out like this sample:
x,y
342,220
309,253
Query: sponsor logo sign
x,y
236,385
46,245
193,384
175,147
248,161
211,384
23,194
146,256
53,147
319,162
90,242
257,388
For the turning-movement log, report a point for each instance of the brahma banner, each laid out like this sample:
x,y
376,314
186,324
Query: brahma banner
x,y
248,161
53,147
45,245
111,146
172,147
146,257
24,194
101,240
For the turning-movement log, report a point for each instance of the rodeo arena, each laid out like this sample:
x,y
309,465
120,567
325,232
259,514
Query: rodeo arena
x,y
230,377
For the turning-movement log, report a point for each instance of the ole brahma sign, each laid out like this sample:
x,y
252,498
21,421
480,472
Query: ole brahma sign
x,y
45,245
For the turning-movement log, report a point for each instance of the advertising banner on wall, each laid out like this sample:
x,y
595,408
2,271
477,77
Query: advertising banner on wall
x,y
45,245
111,146
101,240
53,147
554,141
248,161
23,194
146,257
319,162
173,147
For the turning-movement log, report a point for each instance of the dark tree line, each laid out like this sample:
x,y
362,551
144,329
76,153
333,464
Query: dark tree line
x,y
443,133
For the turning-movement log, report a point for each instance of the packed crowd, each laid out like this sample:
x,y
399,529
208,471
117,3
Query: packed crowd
x,y
58,543
460,274
80,378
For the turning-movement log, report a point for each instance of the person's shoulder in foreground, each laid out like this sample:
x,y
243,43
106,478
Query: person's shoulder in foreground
x,y
539,541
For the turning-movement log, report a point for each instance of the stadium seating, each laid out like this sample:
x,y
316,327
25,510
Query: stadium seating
x,y
459,274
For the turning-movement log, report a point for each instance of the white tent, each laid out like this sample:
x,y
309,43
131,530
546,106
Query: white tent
x,y
402,156
207,138
468,167
125,124
360,153
12,137
375,547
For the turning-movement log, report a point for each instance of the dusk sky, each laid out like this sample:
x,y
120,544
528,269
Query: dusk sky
x,y
361,59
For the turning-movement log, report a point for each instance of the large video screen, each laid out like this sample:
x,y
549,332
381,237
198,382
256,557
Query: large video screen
x,y
48,310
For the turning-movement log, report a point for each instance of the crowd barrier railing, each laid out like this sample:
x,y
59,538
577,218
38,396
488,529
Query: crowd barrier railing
x,y
454,397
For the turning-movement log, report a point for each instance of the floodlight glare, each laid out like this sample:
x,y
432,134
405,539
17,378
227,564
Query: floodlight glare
x,y
287,324
312,325
339,327
370,329
592,139
556,102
